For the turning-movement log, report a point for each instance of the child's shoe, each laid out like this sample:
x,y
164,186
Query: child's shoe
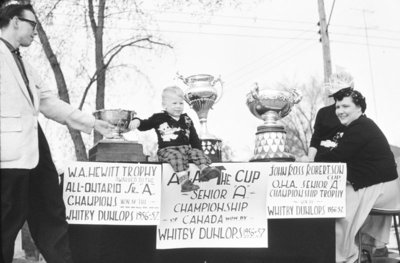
x,y
188,186
208,173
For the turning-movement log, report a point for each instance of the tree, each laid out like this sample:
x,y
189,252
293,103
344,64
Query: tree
x,y
299,123
99,14
103,61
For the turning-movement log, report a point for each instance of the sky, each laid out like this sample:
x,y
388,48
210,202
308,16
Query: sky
x,y
277,41
270,42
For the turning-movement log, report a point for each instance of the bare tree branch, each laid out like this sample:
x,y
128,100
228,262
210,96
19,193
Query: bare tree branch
x,y
91,17
52,9
112,53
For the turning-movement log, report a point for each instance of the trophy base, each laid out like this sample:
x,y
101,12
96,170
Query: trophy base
x,y
287,158
212,148
117,151
270,145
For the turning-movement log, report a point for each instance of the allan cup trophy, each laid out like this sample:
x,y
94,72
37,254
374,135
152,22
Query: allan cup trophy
x,y
202,93
115,148
270,105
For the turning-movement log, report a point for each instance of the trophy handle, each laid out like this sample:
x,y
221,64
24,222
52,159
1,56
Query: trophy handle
x,y
296,96
285,111
179,76
254,92
133,114
219,88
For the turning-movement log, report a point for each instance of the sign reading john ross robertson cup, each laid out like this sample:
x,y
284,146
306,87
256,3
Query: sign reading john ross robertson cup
x,y
112,193
306,190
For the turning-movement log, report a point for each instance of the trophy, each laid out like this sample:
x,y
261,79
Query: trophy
x,y
270,105
202,93
115,148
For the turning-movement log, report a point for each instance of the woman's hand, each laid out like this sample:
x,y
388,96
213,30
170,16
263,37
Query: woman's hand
x,y
304,159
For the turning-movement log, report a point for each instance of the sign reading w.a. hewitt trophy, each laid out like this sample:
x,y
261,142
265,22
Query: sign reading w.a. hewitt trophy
x,y
112,193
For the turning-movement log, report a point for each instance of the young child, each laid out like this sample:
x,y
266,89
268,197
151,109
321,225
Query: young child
x,y
178,142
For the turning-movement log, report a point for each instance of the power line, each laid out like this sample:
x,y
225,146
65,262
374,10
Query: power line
x,y
274,51
370,63
278,60
271,66
251,18
364,44
362,28
196,32
363,36
235,26
330,15
186,22
241,18
148,31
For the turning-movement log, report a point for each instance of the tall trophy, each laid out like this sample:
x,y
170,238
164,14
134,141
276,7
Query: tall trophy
x,y
270,105
202,93
115,148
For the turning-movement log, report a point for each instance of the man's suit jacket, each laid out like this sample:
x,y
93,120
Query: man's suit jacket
x,y
19,114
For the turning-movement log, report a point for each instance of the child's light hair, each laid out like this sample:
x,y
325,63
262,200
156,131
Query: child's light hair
x,y
171,91
339,81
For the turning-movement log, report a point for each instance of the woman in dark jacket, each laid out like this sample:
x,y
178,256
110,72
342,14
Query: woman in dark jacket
x,y
371,171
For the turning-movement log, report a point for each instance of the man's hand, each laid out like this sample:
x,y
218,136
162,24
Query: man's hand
x,y
103,127
134,124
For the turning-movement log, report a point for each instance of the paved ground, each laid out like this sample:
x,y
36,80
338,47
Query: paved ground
x,y
393,257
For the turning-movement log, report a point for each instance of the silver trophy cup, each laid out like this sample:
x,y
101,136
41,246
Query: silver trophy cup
x,y
270,105
117,117
202,93
115,148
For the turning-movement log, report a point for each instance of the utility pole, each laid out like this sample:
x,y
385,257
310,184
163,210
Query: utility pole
x,y
326,50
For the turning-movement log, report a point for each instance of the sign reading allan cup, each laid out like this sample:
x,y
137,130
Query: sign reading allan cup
x,y
270,105
115,148
227,212
203,92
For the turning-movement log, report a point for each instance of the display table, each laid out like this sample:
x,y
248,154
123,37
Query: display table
x,y
290,240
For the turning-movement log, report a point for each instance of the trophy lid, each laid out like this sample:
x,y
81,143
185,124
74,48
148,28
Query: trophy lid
x,y
198,78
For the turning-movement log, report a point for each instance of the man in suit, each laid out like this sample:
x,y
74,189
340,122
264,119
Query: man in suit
x,y
30,188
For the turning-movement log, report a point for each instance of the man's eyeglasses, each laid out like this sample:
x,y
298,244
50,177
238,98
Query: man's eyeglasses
x,y
33,23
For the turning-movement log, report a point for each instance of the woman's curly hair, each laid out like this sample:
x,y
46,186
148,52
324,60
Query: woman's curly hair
x,y
356,96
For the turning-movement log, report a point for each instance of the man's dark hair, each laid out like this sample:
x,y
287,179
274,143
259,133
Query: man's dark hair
x,y
9,11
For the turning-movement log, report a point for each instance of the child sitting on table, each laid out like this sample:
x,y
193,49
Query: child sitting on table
x,y
178,142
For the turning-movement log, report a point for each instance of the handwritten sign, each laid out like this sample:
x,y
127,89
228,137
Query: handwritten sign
x,y
112,193
225,212
306,190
